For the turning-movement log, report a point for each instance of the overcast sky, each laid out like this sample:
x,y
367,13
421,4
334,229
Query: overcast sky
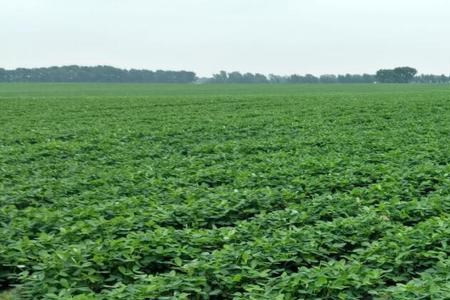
x,y
205,36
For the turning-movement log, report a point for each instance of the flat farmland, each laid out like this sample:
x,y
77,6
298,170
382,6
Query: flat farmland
x,y
128,191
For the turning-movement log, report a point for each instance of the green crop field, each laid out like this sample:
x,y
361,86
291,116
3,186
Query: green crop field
x,y
128,191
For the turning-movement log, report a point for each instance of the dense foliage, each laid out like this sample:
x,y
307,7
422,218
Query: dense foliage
x,y
225,191
397,75
94,74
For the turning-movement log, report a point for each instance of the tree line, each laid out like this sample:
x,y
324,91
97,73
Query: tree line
x,y
397,75
236,77
112,74
94,74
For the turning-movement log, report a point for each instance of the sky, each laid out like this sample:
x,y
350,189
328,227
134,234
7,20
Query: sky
x,y
206,36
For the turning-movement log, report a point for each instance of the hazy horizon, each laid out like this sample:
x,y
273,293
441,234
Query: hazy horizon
x,y
281,37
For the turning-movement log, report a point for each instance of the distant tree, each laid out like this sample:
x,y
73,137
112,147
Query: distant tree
x,y
235,77
368,78
222,77
356,78
248,78
397,75
260,78
295,79
344,78
405,74
3,75
309,78
277,78
328,78
386,76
